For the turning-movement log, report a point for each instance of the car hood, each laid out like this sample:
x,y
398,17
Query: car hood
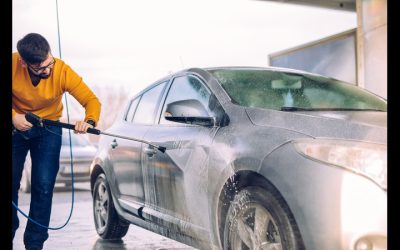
x,y
353,125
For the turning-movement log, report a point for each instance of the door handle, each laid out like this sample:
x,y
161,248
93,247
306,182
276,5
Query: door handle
x,y
114,143
150,151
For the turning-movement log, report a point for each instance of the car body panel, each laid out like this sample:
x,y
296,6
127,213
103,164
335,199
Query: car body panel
x,y
326,191
184,164
188,189
349,124
127,165
82,158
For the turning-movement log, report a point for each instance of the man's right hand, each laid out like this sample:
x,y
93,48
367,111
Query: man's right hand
x,y
21,123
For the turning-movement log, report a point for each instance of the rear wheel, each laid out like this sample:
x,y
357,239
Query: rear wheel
x,y
259,220
107,222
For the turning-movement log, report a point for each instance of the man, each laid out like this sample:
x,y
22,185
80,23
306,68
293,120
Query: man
x,y
38,83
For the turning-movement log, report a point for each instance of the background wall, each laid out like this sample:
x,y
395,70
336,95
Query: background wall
x,y
372,45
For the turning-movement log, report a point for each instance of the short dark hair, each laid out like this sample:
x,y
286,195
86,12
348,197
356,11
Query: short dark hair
x,y
33,48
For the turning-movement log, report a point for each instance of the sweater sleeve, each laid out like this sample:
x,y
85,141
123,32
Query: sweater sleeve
x,y
81,92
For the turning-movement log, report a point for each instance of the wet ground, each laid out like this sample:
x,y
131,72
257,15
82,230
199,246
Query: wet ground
x,y
80,233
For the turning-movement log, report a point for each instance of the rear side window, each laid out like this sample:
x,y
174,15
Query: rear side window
x,y
132,109
146,110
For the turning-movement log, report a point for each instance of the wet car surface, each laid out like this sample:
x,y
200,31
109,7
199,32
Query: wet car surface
x,y
256,158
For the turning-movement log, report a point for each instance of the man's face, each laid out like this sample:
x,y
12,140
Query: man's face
x,y
43,69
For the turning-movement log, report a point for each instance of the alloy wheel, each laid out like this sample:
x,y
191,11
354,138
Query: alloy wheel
x,y
101,206
255,228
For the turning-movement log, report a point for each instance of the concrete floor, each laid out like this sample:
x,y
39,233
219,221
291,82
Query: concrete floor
x,y
80,233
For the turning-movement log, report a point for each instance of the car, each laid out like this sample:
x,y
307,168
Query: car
x,y
83,153
256,158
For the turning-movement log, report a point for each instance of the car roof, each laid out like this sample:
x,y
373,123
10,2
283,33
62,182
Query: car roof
x,y
268,68
208,69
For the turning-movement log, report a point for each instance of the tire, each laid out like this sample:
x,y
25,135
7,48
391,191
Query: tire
x,y
258,219
25,182
107,222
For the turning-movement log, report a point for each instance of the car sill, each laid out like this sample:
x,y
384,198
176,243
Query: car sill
x,y
132,207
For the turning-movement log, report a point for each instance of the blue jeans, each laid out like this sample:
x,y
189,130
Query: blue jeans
x,y
44,145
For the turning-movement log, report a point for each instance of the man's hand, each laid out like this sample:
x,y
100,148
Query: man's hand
x,y
21,123
81,127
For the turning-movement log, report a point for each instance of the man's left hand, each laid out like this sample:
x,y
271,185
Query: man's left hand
x,y
81,127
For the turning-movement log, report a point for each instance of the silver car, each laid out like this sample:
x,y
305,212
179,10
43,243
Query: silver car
x,y
83,153
256,158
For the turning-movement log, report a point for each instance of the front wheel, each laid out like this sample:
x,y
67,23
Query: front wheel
x,y
107,222
259,220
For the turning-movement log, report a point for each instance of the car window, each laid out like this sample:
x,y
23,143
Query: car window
x,y
279,90
132,108
145,112
184,88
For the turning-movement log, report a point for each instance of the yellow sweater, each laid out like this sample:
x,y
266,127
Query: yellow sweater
x,y
45,100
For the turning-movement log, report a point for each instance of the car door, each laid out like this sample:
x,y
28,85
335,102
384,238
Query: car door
x,y
176,181
126,154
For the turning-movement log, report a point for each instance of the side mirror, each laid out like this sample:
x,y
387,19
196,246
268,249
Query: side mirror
x,y
189,111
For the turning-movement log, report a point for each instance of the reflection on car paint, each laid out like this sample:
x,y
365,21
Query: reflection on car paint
x,y
218,182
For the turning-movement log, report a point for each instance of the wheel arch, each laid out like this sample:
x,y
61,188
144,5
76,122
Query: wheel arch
x,y
238,182
96,171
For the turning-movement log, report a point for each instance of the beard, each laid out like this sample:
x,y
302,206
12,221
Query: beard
x,y
45,76
41,75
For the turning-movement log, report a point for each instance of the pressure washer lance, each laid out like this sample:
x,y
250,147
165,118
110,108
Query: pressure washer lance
x,y
37,121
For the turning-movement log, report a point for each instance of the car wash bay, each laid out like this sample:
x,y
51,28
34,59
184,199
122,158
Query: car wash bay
x,y
80,233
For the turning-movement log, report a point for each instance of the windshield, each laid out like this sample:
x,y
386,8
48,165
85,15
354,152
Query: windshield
x,y
292,91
